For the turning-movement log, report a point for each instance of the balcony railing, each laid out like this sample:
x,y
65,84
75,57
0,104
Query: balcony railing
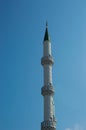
x,y
47,60
48,124
47,90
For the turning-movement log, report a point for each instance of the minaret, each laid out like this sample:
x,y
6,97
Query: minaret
x,y
47,90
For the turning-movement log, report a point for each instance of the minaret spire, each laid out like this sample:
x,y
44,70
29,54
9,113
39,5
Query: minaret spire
x,y
46,37
47,90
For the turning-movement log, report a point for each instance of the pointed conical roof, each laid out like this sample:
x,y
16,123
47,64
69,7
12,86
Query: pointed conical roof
x,y
46,37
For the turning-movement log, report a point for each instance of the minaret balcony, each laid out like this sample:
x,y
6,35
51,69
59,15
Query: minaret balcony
x,y
47,90
47,60
51,125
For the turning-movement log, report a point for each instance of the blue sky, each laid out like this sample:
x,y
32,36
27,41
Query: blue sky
x,y
22,27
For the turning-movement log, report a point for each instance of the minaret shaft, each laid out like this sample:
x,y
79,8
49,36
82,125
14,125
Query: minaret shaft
x,y
47,74
47,90
47,48
48,107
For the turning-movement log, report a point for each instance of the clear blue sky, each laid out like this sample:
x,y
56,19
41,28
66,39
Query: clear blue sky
x,y
22,27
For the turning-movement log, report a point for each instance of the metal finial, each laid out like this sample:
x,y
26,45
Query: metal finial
x,y
46,24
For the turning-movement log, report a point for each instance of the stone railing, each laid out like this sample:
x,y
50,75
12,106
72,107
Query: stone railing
x,y
48,124
47,60
47,90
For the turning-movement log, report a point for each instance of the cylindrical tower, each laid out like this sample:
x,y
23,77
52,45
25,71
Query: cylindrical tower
x,y
47,90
